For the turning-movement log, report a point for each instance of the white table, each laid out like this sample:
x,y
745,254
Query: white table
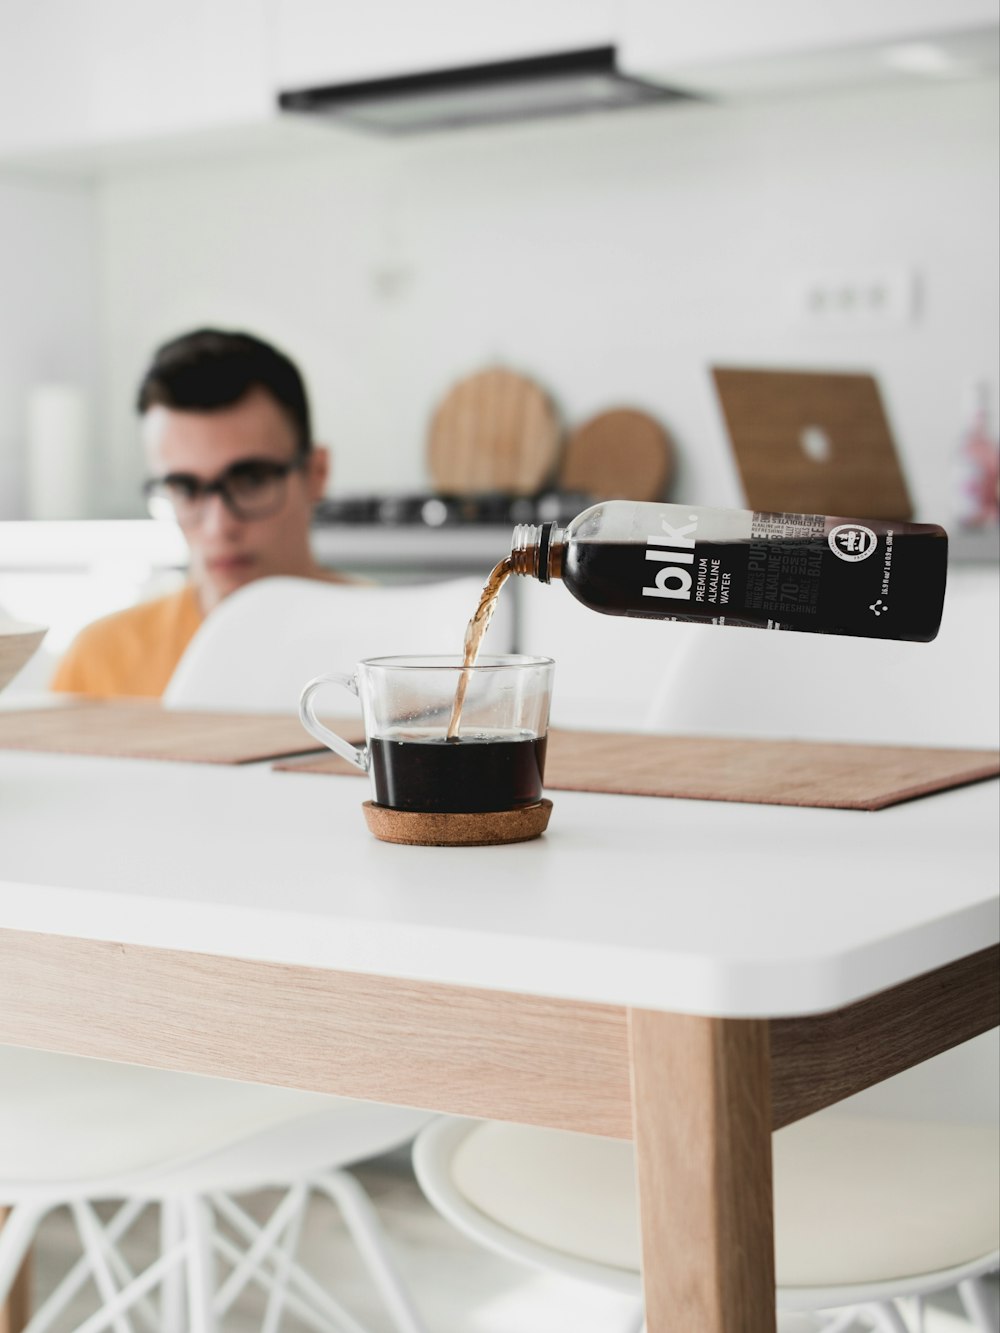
x,y
689,974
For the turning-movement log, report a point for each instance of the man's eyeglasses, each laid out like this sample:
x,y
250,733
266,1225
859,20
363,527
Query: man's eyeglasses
x,y
249,488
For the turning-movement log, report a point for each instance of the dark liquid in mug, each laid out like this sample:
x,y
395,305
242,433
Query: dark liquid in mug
x,y
474,774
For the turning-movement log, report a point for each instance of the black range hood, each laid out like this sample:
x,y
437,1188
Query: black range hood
x,y
553,85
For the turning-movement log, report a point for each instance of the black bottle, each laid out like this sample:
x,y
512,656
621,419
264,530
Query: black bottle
x,y
872,578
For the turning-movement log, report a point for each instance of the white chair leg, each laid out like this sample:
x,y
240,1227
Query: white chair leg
x,y
101,1241
323,1313
920,1313
172,1315
841,1322
90,1235
976,1304
16,1236
144,1307
146,1281
285,1263
262,1241
198,1231
61,1295
363,1223
885,1316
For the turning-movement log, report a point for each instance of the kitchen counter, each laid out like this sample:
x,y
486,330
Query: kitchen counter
x,y
404,549
86,544
466,549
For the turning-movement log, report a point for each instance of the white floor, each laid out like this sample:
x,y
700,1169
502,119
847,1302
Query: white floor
x,y
458,1287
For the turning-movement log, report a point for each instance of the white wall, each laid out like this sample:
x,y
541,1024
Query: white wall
x,y
614,258
49,324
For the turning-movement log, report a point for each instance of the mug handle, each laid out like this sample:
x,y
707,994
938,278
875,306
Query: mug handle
x,y
358,756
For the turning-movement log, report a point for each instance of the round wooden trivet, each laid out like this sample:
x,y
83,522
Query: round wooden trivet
x,y
472,830
623,454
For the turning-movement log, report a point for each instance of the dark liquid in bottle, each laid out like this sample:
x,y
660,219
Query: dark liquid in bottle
x,y
476,773
780,583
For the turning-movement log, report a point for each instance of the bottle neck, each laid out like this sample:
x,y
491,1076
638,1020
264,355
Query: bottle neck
x,y
537,551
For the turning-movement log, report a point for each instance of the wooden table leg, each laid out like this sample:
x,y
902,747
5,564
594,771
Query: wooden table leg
x,y
701,1106
17,1310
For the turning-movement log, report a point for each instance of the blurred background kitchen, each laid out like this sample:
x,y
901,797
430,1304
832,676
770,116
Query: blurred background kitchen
x,y
786,185
601,201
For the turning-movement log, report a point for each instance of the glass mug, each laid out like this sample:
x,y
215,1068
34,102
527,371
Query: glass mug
x,y
497,760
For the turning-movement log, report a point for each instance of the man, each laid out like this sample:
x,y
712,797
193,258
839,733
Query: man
x,y
226,431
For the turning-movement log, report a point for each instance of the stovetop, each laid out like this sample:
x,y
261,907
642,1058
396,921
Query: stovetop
x,y
429,510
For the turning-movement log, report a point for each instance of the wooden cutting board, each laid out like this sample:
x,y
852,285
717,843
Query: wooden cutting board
x,y
709,768
622,454
142,729
493,431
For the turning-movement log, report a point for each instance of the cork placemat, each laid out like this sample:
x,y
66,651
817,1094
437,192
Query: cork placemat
x,y
709,768
143,729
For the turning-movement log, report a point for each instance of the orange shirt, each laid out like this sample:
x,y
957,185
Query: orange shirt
x,y
131,652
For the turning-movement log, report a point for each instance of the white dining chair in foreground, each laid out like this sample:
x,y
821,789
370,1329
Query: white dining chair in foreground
x,y
255,652
893,1193
75,1132
866,1210
743,682
106,1131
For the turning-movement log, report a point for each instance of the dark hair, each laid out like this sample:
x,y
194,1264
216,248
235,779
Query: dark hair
x,y
209,369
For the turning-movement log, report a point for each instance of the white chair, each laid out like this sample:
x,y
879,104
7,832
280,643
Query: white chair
x,y
893,1192
745,682
75,1131
262,644
606,666
855,1200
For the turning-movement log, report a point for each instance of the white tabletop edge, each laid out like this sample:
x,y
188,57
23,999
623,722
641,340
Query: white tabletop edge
x,y
631,977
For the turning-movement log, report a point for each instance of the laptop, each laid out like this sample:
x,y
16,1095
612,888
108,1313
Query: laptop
x,y
809,442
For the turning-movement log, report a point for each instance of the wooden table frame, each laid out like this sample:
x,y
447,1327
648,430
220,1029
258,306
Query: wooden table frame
x,y
699,1095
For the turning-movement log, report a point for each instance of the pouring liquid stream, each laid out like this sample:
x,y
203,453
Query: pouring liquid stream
x,y
474,633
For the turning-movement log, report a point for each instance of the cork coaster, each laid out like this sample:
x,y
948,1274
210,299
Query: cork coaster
x,y
484,829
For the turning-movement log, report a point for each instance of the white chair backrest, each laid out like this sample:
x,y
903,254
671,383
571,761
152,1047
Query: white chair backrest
x,y
257,650
606,666
742,682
